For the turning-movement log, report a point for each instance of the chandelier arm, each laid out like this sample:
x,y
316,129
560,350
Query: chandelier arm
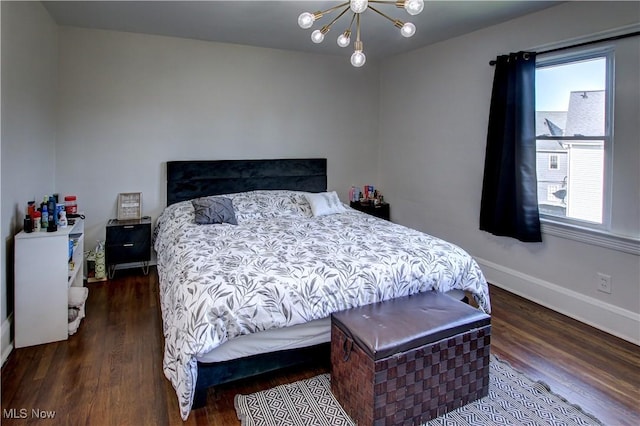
x,y
331,9
400,4
336,18
353,18
398,23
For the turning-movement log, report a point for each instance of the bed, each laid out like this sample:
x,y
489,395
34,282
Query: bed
x,y
245,298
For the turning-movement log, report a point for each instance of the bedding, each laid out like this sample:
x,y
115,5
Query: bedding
x,y
281,266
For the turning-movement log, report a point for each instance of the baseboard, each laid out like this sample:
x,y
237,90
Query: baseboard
x,y
609,318
5,343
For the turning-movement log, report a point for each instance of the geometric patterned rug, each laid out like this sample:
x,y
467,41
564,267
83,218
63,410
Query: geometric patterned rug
x,y
513,399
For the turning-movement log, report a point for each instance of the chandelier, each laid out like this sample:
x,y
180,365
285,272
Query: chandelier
x,y
358,58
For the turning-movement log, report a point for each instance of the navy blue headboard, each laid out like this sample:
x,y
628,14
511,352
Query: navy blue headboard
x,y
192,179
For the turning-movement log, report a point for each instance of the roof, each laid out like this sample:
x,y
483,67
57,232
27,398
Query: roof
x,y
550,123
586,113
585,116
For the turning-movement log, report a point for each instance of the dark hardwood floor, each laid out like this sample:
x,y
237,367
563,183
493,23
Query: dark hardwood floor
x,y
110,371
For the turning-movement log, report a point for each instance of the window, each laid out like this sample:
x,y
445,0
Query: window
x,y
573,137
552,191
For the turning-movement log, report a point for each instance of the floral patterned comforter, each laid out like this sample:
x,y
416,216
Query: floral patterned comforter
x,y
280,266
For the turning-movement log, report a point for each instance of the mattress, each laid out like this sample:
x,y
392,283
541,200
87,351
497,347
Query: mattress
x,y
278,339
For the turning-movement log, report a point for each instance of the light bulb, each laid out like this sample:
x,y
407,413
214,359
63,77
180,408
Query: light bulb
x,y
343,40
358,6
413,7
358,58
305,20
317,36
408,29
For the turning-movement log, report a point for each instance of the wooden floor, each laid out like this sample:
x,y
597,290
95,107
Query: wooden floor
x,y
110,371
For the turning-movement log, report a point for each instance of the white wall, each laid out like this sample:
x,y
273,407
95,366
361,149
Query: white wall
x,y
29,74
434,112
129,102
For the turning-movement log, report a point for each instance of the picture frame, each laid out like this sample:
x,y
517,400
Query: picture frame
x,y
129,205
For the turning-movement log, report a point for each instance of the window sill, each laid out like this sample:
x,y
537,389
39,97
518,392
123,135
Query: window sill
x,y
589,236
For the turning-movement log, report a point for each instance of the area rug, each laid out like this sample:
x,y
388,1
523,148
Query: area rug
x,y
513,399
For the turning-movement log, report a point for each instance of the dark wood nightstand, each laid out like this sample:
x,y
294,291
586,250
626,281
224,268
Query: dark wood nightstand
x,y
128,241
380,210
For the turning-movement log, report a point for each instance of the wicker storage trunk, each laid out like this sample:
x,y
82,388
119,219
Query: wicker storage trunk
x,y
409,360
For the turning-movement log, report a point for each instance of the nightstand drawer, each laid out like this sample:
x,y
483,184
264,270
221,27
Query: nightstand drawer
x,y
128,252
118,235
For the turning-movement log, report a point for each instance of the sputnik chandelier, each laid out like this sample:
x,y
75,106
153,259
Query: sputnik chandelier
x,y
358,58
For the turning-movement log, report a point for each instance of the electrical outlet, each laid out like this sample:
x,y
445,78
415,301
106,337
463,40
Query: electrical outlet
x,y
603,283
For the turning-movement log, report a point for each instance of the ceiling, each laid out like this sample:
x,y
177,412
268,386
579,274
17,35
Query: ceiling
x,y
273,24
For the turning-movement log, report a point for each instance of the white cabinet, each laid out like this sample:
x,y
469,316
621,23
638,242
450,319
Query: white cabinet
x,y
43,275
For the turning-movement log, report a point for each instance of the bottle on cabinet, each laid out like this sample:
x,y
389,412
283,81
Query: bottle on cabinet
x,y
71,205
62,219
51,209
28,224
45,217
37,218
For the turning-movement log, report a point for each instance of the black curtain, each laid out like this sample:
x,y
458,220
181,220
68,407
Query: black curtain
x,y
509,205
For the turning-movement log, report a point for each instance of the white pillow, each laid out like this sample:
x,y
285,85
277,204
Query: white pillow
x,y
325,203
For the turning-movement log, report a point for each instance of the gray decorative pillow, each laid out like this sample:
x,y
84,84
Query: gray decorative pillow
x,y
210,210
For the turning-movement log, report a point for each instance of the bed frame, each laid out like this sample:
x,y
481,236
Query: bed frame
x,y
192,179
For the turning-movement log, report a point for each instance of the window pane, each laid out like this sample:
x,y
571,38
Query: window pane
x,y
552,183
571,101
570,98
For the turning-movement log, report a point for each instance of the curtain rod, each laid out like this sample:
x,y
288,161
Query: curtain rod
x,y
586,43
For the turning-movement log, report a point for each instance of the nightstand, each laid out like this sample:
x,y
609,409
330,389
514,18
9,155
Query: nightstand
x,y
128,241
380,210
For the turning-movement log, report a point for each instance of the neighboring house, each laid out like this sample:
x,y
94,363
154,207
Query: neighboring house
x,y
570,172
551,163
